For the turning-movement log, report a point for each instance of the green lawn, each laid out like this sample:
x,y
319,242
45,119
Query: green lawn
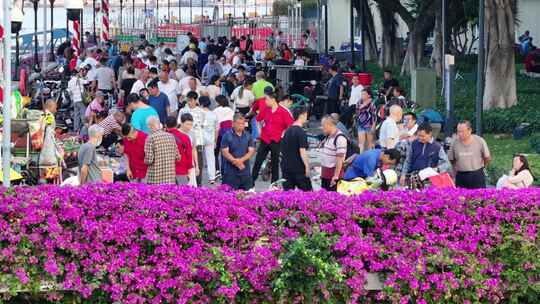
x,y
494,121
503,150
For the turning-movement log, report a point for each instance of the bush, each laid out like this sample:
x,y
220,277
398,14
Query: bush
x,y
534,142
140,244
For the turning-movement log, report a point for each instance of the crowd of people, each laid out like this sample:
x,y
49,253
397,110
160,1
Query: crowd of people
x,y
208,113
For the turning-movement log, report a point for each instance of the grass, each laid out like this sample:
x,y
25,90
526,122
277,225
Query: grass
x,y
495,121
503,150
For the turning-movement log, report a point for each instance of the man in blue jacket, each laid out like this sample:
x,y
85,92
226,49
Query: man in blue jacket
x,y
424,153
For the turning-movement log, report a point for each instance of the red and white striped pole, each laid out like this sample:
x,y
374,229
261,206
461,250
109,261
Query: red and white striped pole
x,y
105,20
75,41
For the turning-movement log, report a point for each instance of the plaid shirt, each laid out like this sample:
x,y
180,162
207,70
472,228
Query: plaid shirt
x,y
161,154
109,124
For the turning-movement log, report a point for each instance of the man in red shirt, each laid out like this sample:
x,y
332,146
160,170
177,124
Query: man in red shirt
x,y
134,151
184,146
275,121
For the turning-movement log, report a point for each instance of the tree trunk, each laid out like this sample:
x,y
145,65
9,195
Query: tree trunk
x,y
391,50
415,51
369,30
436,56
500,86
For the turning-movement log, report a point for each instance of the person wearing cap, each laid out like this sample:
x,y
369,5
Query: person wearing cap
x,y
76,91
190,54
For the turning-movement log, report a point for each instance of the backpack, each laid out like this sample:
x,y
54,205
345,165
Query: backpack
x,y
352,148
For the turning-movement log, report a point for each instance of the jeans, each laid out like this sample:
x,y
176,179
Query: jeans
x,y
78,116
210,161
332,106
182,180
237,182
262,153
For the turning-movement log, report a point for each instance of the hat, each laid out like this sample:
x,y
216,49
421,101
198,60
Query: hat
x,y
237,50
192,46
268,90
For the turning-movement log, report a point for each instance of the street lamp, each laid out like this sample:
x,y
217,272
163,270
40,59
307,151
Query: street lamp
x,y
51,58
16,25
36,44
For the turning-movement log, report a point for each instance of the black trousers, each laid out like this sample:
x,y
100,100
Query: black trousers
x,y
262,153
347,115
332,106
325,184
200,161
296,181
471,180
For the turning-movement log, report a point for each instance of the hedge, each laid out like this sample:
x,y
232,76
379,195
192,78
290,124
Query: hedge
x,y
141,244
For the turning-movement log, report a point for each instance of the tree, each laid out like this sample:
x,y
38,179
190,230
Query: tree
x,y
419,15
370,38
500,86
391,49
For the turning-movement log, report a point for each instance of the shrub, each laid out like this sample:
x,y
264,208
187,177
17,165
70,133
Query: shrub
x,y
141,244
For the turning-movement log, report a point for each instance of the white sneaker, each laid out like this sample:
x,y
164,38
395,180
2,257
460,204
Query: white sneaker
x,y
252,190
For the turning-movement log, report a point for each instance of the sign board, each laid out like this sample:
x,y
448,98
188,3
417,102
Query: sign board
x,y
182,41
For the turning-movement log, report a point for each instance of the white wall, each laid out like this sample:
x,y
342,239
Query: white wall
x,y
339,22
529,20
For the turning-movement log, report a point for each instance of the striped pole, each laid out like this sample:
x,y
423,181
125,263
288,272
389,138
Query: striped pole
x,y
75,41
105,20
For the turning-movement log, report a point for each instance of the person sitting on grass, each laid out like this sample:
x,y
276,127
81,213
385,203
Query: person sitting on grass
x,y
520,176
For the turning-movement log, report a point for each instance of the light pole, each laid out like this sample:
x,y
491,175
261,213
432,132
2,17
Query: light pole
x,y
133,14
16,25
36,44
169,10
6,143
480,71
51,57
121,16
94,38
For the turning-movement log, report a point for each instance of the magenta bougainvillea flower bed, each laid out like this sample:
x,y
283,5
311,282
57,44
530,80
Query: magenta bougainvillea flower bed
x,y
143,244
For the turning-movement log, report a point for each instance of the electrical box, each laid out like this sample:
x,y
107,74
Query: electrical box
x,y
424,87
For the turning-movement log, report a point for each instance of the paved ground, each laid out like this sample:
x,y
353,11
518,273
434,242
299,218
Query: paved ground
x,y
262,186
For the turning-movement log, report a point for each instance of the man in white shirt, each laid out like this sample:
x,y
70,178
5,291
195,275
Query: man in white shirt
x,y
237,59
184,83
141,82
226,66
194,86
356,91
170,88
190,54
76,90
389,134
